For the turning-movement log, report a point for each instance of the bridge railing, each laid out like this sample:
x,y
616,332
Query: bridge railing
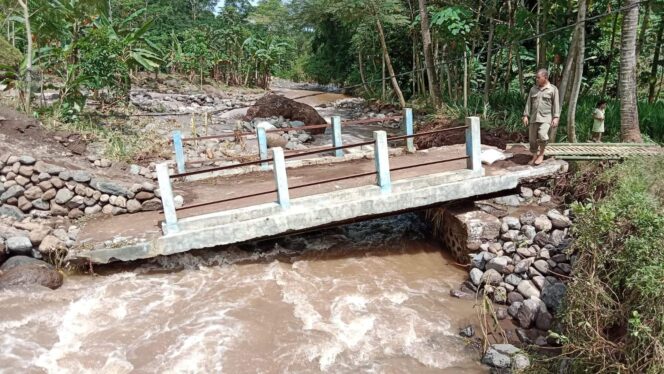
x,y
261,136
282,189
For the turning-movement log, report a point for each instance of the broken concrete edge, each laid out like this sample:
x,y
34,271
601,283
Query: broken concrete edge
x,y
300,217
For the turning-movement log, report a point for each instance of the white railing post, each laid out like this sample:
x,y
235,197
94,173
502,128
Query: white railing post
x,y
262,144
382,160
167,202
336,136
473,144
280,177
408,122
179,151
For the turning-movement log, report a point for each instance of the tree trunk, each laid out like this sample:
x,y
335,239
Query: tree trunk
x,y
388,63
629,114
522,86
568,71
611,50
465,77
384,81
489,65
578,73
652,81
28,55
361,67
434,87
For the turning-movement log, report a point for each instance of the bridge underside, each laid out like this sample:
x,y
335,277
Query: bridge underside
x,y
306,213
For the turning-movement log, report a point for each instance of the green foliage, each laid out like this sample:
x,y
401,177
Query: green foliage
x,y
613,316
9,56
101,62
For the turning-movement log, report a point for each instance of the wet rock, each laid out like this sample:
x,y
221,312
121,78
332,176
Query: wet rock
x,y
476,276
19,245
528,289
467,332
491,277
558,220
31,274
500,264
496,359
15,261
460,294
553,295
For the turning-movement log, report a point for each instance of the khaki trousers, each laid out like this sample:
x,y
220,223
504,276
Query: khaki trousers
x,y
538,135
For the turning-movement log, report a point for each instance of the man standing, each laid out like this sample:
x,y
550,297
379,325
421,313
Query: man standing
x,y
541,114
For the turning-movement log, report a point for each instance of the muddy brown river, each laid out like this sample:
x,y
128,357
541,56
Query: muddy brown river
x,y
369,297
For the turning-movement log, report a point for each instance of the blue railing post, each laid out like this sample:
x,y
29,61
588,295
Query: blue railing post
x,y
336,137
179,151
167,201
382,159
280,177
262,144
473,144
408,122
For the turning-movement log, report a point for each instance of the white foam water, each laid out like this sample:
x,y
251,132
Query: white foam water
x,y
370,297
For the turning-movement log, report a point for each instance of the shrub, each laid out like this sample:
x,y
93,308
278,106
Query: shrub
x,y
614,308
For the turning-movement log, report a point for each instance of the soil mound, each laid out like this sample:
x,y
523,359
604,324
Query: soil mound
x,y
272,105
497,137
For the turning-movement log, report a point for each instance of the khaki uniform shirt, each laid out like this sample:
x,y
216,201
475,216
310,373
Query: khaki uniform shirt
x,y
543,104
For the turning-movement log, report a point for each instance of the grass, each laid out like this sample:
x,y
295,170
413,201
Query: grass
x,y
613,317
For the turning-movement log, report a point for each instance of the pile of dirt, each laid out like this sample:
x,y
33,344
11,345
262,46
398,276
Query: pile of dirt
x,y
497,137
272,105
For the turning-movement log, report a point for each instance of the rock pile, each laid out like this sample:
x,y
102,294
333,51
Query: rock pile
x,y
39,189
506,356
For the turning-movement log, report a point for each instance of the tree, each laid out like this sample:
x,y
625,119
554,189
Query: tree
x,y
28,54
434,87
579,48
629,111
652,80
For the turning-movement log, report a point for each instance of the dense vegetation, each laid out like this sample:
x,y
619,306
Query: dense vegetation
x,y
487,48
614,315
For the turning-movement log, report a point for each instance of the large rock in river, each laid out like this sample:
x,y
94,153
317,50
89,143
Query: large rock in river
x,y
273,105
31,274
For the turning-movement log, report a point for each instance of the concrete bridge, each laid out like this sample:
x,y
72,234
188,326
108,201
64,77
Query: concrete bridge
x,y
282,195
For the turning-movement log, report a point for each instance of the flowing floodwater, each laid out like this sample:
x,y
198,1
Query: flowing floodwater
x,y
368,297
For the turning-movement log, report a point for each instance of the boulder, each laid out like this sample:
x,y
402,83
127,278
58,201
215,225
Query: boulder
x,y
528,289
558,220
542,223
520,362
152,204
496,359
491,277
15,261
500,264
63,196
512,222
27,160
529,231
33,193
11,211
38,234
108,187
523,265
31,274
42,167
51,244
12,192
465,229
553,295
527,313
542,266
19,245
476,276
514,297
272,105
